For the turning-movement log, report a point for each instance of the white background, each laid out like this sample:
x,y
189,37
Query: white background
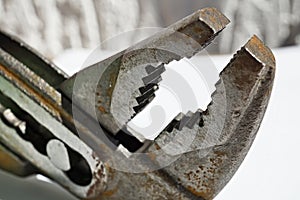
x,y
271,168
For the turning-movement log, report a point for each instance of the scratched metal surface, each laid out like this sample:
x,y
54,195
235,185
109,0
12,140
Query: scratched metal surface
x,y
248,87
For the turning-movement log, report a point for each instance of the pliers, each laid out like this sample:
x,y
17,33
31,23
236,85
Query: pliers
x,y
74,130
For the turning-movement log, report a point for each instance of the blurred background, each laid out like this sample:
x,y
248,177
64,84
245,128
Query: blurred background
x,y
53,27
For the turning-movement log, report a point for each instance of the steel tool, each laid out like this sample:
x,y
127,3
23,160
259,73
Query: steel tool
x,y
74,130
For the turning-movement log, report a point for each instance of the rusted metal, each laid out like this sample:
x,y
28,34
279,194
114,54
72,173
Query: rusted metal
x,y
197,171
45,122
201,173
32,59
248,81
10,162
32,100
109,79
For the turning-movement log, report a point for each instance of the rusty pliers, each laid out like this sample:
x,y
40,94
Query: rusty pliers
x,y
74,129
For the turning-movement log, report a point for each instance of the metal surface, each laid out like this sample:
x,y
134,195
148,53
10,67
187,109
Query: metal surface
x,y
201,173
27,97
120,75
180,94
29,149
248,82
14,164
218,139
